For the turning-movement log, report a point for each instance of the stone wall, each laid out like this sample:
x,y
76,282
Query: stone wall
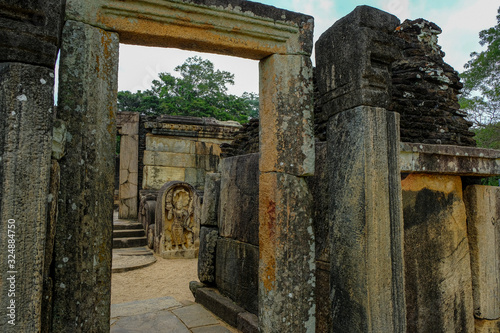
x,y
246,141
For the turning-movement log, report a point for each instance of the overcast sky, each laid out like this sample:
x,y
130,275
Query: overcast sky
x,y
460,20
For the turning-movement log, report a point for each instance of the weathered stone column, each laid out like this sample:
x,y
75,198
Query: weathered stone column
x,y
87,104
286,239
26,105
129,165
353,59
483,228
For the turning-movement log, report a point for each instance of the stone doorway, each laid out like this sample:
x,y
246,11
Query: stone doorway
x,y
282,42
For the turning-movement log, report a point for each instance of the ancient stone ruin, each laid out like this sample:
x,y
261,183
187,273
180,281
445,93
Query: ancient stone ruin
x,y
361,212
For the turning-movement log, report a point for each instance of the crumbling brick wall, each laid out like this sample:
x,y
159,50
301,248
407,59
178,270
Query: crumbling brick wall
x,y
425,89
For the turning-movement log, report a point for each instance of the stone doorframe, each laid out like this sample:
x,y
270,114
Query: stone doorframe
x,y
282,42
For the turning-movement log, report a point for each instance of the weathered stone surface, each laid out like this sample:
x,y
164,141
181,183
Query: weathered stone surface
x,y
155,176
177,228
206,256
286,250
463,161
487,326
58,139
248,323
425,89
128,128
366,229
239,28
87,104
246,141
286,109
211,195
30,31
219,305
353,60
161,143
168,159
318,186
26,106
323,304
437,265
483,231
236,274
239,195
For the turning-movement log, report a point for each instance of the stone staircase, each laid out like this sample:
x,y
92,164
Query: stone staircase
x,y
127,233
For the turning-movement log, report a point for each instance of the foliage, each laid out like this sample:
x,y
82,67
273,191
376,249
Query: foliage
x,y
198,91
481,93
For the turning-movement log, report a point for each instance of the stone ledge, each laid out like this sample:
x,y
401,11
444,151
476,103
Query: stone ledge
x,y
447,159
218,304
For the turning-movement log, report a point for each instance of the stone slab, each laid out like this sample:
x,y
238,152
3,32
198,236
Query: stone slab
x,y
366,229
453,160
437,259
161,321
286,135
87,104
248,323
483,227
142,307
286,252
219,305
173,145
236,273
211,329
207,254
211,194
26,106
168,159
155,176
239,195
195,315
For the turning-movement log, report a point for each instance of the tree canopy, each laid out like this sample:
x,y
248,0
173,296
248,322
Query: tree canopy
x,y
481,93
199,90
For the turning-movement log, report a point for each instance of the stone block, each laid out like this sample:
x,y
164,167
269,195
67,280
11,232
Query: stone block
x,y
26,105
366,228
30,31
483,227
219,305
437,259
286,250
248,323
286,108
207,148
168,159
353,61
195,177
155,176
236,273
318,186
487,326
82,251
207,254
161,143
129,174
211,194
323,304
239,193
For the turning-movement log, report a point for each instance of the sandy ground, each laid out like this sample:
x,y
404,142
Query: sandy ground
x,y
166,277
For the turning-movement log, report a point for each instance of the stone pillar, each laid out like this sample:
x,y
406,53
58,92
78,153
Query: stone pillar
x,y
26,104
87,104
353,61
129,164
483,226
286,239
438,271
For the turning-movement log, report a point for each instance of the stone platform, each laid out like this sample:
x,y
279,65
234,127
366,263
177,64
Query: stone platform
x,y
128,259
165,314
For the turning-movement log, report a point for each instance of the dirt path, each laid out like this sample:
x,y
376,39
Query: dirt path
x,y
166,277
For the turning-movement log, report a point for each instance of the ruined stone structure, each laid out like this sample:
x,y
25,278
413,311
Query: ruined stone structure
x,y
359,233
156,150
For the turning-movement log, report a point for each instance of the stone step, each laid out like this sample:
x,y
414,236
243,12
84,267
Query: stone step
x,y
128,233
118,225
119,243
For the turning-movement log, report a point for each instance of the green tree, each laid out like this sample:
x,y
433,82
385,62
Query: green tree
x,y
199,90
481,78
